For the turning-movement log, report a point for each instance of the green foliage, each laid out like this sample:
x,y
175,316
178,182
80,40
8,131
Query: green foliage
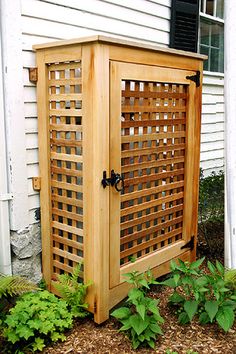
x,y
11,285
37,318
140,318
206,296
73,292
211,197
230,278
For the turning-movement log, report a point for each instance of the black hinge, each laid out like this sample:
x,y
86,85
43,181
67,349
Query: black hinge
x,y
95,307
195,78
189,244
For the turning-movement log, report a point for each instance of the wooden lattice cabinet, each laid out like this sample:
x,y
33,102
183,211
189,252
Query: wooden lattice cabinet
x,y
119,141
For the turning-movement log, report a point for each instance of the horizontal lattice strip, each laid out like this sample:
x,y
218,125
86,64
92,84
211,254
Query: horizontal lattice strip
x,y
64,267
66,171
68,201
66,157
67,214
153,94
150,243
150,217
65,112
67,228
153,109
67,186
65,97
67,255
153,177
152,164
152,204
66,142
151,191
64,66
153,123
66,127
153,150
68,242
150,230
63,82
152,137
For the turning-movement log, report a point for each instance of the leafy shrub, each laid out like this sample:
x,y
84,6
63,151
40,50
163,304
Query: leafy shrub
x,y
37,318
141,317
204,295
73,292
230,279
211,197
11,285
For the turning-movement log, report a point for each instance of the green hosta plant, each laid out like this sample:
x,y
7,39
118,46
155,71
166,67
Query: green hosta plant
x,y
36,319
203,295
230,278
140,318
73,292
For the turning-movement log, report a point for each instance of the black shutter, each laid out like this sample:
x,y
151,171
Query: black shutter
x,y
184,25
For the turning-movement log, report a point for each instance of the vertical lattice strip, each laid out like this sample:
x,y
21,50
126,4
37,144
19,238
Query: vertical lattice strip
x,y
65,116
153,130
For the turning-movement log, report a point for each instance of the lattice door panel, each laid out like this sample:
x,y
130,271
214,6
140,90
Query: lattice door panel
x,y
153,128
149,147
66,166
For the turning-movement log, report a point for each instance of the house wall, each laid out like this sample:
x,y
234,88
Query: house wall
x,y
149,21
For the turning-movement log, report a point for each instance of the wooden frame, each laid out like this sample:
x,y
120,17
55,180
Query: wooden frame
x,y
79,109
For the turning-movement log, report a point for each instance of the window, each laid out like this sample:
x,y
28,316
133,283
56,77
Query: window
x,y
212,34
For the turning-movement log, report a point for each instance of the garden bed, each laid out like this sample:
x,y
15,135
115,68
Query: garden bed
x,y
87,337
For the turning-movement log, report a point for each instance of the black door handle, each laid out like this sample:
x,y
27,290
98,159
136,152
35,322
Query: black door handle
x,y
114,180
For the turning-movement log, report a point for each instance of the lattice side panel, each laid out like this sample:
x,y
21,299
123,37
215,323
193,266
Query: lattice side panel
x,y
65,113
153,132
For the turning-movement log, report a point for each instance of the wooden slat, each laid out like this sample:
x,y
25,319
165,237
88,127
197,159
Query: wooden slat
x,y
65,142
67,214
59,82
153,177
68,242
66,112
68,201
149,243
152,164
66,127
148,137
66,157
66,97
154,190
62,266
150,230
149,217
64,66
66,171
152,122
67,228
154,94
67,186
67,255
153,109
151,204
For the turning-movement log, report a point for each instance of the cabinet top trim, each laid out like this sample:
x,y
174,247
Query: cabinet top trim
x,y
117,41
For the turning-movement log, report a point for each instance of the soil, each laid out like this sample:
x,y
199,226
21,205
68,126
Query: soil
x,y
88,337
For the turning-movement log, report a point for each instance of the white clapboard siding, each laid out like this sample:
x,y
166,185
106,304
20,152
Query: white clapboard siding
x,y
212,136
46,21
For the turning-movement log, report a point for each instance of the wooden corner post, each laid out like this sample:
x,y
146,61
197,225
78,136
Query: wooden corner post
x,y
44,167
95,88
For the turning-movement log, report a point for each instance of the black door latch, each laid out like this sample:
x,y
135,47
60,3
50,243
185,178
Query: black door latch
x,y
114,180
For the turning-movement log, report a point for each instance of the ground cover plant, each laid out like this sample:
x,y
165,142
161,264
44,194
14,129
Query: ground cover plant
x,y
140,316
205,296
35,320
